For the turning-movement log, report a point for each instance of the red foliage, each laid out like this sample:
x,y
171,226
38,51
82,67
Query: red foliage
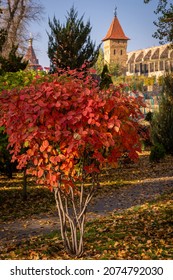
x,y
68,126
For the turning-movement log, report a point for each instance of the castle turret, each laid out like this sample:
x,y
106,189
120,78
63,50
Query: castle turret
x,y
115,45
30,55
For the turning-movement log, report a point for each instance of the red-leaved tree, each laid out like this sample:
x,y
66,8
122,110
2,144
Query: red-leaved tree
x,y
70,130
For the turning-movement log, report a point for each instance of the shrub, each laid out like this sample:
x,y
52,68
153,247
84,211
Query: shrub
x,y
149,116
162,123
144,133
106,79
157,153
71,130
18,79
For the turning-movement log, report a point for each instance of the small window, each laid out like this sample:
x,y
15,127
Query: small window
x,y
114,52
121,52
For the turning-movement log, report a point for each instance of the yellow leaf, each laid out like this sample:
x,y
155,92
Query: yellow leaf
x,y
115,244
26,144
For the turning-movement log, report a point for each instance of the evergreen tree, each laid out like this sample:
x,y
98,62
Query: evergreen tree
x,y
70,44
106,79
13,63
162,123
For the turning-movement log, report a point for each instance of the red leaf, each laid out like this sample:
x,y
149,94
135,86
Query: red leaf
x,y
40,173
44,146
67,120
58,104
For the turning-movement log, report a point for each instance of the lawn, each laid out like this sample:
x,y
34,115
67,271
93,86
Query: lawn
x,y
140,232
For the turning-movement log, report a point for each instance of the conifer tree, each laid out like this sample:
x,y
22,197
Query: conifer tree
x,y
13,63
162,123
70,44
106,79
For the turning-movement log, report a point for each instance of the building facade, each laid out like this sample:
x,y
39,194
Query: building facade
x,y
115,45
152,61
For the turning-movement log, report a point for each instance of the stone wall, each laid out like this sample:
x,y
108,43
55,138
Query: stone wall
x,y
152,61
115,52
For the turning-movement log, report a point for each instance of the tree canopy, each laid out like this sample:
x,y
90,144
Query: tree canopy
x,y
70,44
164,24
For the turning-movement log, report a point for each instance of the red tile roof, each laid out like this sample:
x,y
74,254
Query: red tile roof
x,y
115,31
30,54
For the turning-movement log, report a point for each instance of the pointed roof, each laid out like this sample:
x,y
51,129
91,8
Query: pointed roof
x,y
30,54
115,31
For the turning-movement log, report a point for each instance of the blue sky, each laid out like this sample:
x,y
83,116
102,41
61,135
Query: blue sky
x,y
136,19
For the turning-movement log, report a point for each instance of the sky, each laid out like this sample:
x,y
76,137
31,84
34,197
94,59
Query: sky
x,y
135,17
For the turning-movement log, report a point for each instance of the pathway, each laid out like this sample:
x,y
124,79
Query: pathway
x,y
116,200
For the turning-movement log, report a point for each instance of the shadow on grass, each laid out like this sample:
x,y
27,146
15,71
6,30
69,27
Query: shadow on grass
x,y
143,233
41,200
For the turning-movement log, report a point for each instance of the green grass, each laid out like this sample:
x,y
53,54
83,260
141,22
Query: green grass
x,y
142,232
12,206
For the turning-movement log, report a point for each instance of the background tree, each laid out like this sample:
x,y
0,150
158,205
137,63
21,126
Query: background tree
x,y
165,21
3,35
5,158
12,63
70,44
100,62
16,16
106,79
115,69
3,32
162,122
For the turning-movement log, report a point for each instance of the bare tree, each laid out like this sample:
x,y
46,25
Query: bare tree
x,y
16,16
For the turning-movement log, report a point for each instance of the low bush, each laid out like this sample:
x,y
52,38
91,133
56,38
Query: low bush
x,y
157,153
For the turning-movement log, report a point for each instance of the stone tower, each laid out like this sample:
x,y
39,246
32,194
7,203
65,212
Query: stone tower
x,y
33,62
115,45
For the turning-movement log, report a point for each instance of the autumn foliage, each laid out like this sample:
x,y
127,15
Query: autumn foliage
x,y
65,120
65,128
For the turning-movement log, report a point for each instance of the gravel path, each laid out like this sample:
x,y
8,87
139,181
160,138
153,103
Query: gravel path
x,y
116,200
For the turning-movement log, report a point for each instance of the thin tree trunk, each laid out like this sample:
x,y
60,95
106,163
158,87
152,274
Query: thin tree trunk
x,y
24,184
72,213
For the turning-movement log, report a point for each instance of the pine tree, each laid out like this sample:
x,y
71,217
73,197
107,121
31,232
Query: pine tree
x,y
70,45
